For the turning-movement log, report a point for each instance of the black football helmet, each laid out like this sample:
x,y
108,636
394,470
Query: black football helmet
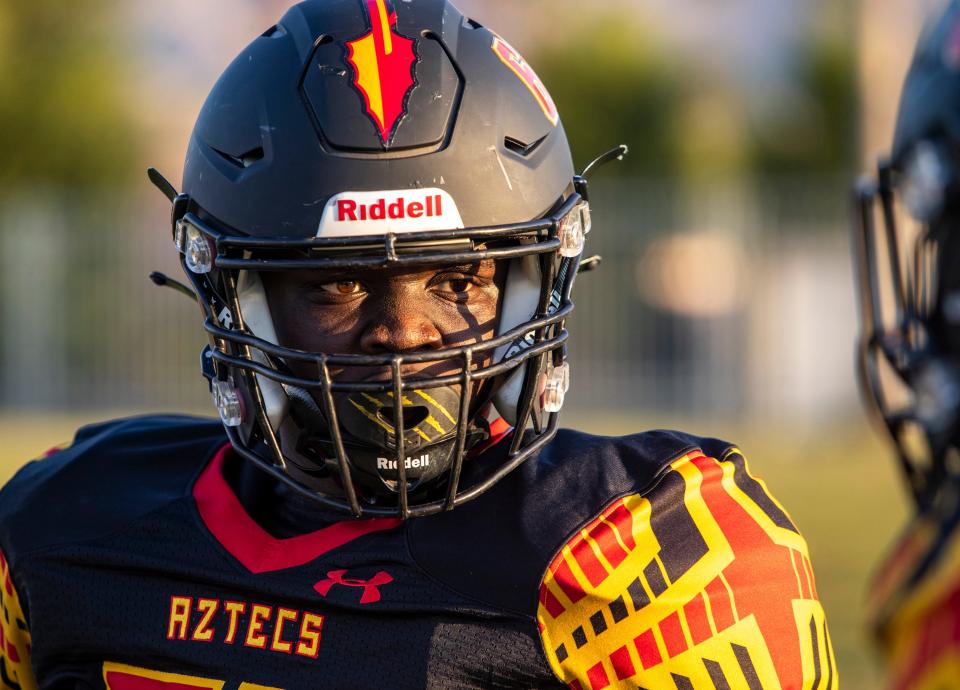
x,y
909,267
358,134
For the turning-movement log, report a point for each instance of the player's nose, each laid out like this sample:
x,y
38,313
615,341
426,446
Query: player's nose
x,y
400,325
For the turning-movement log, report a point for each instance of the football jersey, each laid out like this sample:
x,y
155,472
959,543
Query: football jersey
x,y
914,600
130,562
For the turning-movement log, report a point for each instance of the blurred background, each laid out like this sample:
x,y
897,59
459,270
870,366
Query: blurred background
x,y
724,305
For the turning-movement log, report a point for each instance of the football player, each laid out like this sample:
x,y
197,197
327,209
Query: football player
x,y
907,249
381,223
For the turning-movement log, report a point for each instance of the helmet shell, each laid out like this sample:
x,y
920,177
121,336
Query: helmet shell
x,y
930,99
289,124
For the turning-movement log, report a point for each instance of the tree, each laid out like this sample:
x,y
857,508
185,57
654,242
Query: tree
x,y
64,121
620,89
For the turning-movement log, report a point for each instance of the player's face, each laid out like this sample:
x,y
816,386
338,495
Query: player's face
x,y
386,311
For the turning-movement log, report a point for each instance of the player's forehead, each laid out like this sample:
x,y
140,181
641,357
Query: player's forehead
x,y
485,267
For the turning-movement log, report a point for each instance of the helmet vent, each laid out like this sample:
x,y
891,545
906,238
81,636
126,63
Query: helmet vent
x,y
275,31
472,23
244,160
520,148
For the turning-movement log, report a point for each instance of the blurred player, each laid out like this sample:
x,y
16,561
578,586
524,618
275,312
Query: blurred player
x,y
381,223
908,250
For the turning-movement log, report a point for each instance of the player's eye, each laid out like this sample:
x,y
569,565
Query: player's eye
x,y
457,287
342,288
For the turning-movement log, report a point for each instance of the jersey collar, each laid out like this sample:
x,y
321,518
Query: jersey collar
x,y
256,549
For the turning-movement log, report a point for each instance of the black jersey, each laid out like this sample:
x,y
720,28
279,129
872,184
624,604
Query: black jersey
x,y
129,562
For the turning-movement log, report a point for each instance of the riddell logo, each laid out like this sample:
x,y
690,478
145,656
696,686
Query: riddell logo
x,y
410,464
353,214
352,210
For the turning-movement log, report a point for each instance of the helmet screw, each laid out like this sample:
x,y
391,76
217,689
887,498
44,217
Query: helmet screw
x,y
555,390
228,402
573,230
199,251
180,235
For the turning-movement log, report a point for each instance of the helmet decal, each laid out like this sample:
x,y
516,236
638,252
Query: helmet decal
x,y
511,58
383,65
351,214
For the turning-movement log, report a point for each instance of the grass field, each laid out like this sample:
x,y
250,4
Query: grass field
x,y
838,484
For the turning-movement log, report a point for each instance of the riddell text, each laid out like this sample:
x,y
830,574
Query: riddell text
x,y
259,626
348,209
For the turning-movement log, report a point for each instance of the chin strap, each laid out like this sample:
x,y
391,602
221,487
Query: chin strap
x,y
163,280
162,183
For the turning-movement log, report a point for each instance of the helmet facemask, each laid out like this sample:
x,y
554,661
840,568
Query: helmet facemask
x,y
445,150
393,444
906,248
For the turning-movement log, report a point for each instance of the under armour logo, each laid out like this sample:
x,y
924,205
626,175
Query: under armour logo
x,y
371,587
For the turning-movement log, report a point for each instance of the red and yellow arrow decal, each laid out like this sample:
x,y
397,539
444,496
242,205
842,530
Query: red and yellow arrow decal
x,y
511,58
382,62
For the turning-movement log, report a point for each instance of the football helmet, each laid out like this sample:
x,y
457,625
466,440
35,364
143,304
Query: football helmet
x,y
359,134
907,250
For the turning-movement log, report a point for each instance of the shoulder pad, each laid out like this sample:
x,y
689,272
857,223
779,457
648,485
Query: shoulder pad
x,y
525,518
702,580
113,472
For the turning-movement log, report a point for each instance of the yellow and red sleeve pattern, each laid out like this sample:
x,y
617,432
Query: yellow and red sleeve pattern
x,y
15,670
915,606
702,583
